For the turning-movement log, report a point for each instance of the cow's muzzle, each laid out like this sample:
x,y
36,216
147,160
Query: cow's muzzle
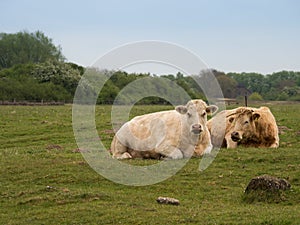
x,y
196,128
235,136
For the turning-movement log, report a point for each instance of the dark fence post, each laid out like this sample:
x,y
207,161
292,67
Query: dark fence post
x,y
246,100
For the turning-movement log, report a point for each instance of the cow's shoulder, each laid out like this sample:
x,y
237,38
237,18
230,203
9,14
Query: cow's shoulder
x,y
265,114
266,124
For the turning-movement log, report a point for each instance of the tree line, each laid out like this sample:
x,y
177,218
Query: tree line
x,y
32,68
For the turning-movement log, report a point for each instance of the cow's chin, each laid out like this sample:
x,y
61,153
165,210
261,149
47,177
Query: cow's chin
x,y
236,139
236,136
196,131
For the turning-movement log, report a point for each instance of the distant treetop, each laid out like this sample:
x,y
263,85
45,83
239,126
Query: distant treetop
x,y
24,47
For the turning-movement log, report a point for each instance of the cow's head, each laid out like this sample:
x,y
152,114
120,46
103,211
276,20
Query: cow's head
x,y
243,125
195,112
203,109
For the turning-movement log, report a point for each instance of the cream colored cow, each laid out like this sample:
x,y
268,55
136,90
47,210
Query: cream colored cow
x,y
169,134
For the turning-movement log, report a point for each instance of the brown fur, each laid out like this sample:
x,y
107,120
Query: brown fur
x,y
254,127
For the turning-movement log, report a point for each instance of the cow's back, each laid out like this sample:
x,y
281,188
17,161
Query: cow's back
x,y
148,131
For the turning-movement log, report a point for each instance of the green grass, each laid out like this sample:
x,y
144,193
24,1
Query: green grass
x,y
45,181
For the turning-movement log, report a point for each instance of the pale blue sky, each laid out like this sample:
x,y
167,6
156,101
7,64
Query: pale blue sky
x,y
230,35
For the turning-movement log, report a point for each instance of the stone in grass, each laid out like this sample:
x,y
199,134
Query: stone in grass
x,y
167,200
266,188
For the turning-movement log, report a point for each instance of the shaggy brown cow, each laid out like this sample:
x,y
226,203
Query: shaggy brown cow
x,y
249,127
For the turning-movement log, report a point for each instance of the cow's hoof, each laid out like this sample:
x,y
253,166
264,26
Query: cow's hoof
x,y
175,154
125,155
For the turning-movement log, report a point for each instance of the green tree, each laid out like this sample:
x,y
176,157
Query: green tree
x,y
227,84
58,73
282,96
254,82
108,93
36,82
24,47
29,89
255,97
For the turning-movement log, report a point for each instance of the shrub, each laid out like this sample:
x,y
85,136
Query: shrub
x,y
255,97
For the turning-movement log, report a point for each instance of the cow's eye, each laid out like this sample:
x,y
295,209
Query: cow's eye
x,y
246,122
203,114
231,119
189,114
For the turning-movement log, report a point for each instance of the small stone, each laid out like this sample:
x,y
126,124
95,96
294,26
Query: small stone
x,y
167,200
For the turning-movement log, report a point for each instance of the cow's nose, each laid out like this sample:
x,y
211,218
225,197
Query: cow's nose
x,y
197,126
196,129
235,136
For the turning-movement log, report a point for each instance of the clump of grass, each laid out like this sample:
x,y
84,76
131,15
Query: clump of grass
x,y
266,189
265,196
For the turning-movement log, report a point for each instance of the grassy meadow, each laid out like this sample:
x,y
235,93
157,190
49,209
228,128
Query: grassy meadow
x,y
45,180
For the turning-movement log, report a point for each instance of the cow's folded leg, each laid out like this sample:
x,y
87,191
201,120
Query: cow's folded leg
x,y
175,154
202,149
119,151
275,145
125,155
170,152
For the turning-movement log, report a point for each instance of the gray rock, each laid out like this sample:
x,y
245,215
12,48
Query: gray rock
x,y
167,200
267,183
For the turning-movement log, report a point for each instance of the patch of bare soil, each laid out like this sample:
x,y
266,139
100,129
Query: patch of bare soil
x,y
53,146
283,129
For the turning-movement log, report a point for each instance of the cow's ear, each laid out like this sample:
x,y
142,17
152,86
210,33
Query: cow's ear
x,y
211,109
181,109
255,116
